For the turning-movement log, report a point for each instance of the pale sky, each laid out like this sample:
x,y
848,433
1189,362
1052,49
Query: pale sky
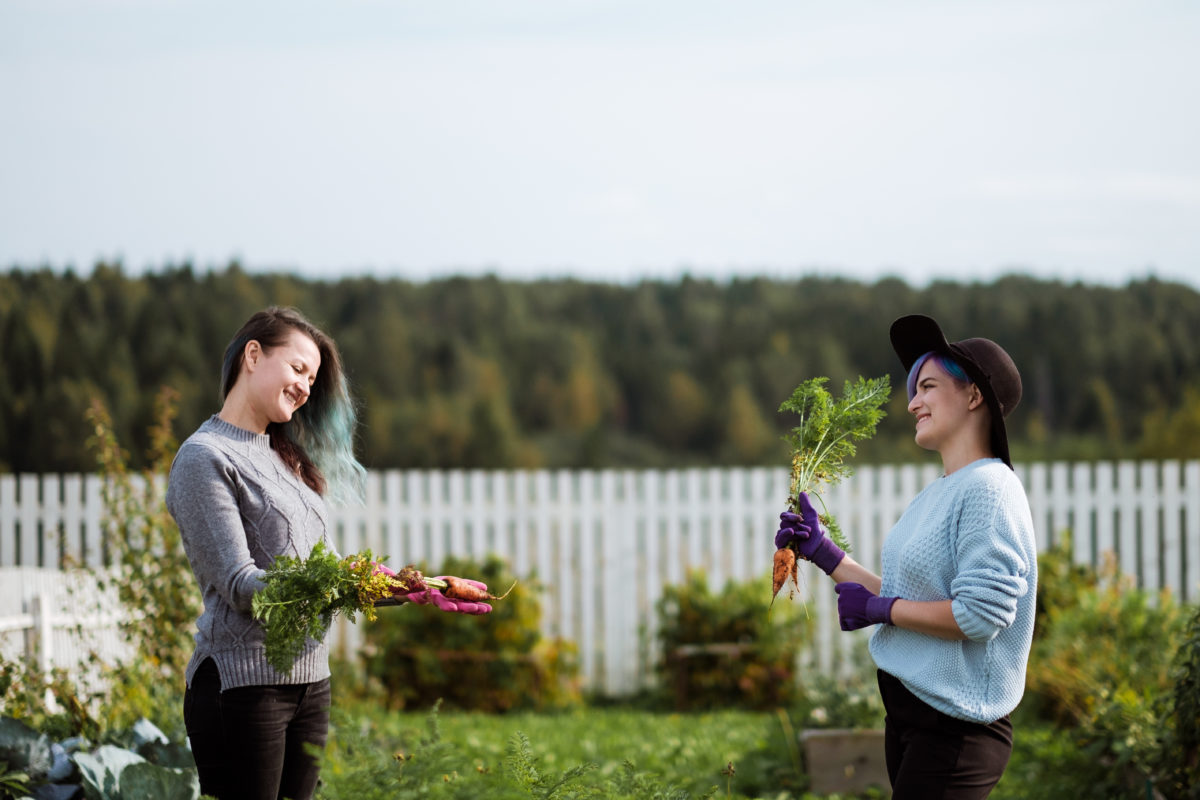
x,y
605,139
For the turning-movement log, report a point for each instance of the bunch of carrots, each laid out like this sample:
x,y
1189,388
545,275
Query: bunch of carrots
x,y
302,596
821,443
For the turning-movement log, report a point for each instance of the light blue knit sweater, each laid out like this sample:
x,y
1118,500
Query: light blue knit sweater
x,y
967,537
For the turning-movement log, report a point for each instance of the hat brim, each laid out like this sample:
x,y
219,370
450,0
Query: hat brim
x,y
915,335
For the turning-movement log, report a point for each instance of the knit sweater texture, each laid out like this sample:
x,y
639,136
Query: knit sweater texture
x,y
967,537
238,506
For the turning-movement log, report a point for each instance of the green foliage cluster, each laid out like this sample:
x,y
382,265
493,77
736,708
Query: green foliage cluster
x,y
823,440
1178,761
615,753
496,662
721,649
1106,638
303,595
148,566
840,702
55,703
142,540
133,764
1115,669
488,373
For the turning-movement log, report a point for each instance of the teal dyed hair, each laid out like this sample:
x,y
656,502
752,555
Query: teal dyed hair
x,y
318,441
948,365
326,433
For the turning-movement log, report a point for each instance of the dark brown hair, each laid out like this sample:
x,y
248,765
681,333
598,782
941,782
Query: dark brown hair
x,y
271,327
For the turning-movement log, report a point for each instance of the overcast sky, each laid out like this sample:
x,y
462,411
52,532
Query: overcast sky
x,y
605,139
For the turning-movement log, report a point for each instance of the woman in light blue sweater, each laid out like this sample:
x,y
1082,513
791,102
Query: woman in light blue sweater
x,y
955,603
247,486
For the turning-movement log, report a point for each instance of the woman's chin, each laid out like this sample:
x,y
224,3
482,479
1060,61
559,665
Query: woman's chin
x,y
923,443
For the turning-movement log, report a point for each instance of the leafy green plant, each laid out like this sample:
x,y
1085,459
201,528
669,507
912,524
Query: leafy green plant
x,y
1178,759
828,702
115,773
497,662
149,568
54,702
152,571
824,438
720,650
13,783
303,595
1100,669
362,762
1109,636
630,782
523,766
24,750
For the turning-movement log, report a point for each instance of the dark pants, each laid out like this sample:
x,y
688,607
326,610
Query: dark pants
x,y
249,742
933,756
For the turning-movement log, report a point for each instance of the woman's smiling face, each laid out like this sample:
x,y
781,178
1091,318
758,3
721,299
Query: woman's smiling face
x,y
281,378
940,404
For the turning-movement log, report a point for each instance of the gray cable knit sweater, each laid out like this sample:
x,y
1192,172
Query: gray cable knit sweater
x,y
238,506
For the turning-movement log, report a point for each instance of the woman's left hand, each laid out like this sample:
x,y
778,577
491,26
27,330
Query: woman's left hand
x,y
859,607
431,596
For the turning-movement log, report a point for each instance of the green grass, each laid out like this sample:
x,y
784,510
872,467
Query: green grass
x,y
472,755
614,753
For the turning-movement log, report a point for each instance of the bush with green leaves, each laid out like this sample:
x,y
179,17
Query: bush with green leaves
x,y
1101,671
1105,638
1178,760
134,764
148,564
149,568
494,662
721,649
842,702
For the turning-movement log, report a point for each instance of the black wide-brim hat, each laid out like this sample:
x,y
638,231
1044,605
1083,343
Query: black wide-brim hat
x,y
986,363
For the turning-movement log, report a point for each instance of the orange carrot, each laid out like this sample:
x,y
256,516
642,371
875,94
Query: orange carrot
x,y
411,579
784,567
459,589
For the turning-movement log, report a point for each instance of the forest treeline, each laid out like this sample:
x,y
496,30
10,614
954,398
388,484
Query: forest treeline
x,y
484,372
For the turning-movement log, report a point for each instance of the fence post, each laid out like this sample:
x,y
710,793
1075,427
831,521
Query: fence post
x,y
42,644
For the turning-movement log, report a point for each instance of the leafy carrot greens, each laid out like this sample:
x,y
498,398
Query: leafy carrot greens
x,y
302,596
825,436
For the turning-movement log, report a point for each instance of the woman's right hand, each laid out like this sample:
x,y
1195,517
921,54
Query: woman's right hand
x,y
804,534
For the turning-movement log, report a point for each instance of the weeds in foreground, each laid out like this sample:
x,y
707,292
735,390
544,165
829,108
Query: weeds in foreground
x,y
356,766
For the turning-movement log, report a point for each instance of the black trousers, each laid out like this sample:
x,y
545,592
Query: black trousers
x,y
249,742
933,756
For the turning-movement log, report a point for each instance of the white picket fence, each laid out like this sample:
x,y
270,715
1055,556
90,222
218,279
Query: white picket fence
x,y
605,543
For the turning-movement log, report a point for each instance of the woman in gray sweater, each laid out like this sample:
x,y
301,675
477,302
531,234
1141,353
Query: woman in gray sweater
x,y
249,485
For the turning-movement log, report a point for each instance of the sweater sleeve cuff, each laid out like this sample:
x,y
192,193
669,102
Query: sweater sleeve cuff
x,y
972,625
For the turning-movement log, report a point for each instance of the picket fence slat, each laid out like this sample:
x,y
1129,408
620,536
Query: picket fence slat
x,y
603,545
1191,530
8,520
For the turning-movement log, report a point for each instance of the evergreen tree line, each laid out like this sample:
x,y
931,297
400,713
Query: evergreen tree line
x,y
490,373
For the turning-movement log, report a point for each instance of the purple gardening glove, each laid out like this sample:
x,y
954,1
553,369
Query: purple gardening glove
x,y
859,607
802,532
435,597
